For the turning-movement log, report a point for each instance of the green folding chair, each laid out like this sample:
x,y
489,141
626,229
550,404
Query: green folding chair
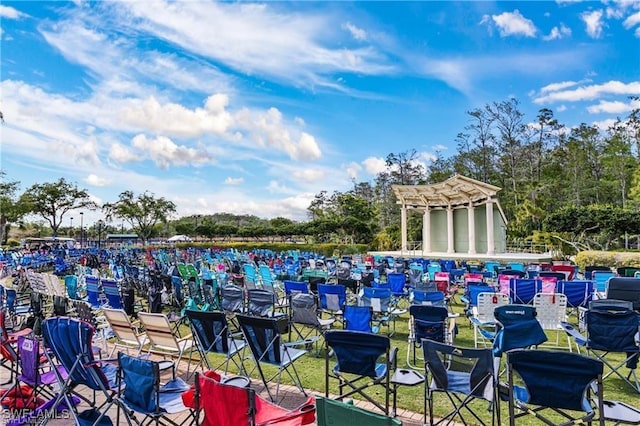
x,y
332,412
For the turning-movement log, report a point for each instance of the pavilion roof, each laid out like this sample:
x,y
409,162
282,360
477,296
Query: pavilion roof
x,y
458,190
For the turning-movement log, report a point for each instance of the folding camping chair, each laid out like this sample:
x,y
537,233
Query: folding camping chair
x,y
611,328
112,292
212,335
265,341
358,367
163,341
140,392
126,334
522,291
226,404
428,322
624,288
333,298
384,312
8,352
304,318
516,327
330,412
559,381
69,341
551,312
579,293
463,375
358,318
30,357
263,303
397,284
482,316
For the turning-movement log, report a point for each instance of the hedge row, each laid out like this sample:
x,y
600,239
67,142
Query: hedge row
x,y
328,250
611,259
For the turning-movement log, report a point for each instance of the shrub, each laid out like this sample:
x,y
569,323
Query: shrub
x,y
607,258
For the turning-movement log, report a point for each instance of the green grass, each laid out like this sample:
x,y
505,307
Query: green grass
x,y
312,372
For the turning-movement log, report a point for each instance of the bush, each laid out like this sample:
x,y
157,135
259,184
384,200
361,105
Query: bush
x,y
325,249
607,258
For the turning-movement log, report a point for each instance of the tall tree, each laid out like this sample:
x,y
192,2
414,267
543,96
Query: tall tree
x,y
52,201
11,208
143,212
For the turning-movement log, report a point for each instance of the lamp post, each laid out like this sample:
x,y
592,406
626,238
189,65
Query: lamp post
x,y
195,231
100,224
81,229
71,226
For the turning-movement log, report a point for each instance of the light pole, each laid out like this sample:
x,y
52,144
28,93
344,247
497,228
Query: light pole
x,y
195,231
71,226
81,229
100,224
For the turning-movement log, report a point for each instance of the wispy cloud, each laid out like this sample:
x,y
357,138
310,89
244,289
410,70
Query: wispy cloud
x,y
356,32
8,12
557,33
233,181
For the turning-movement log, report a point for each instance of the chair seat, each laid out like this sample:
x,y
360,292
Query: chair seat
x,y
290,354
521,394
381,370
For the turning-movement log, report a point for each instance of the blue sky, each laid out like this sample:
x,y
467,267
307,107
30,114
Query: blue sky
x,y
252,108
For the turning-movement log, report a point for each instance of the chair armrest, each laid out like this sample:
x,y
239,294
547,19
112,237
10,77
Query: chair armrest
x,y
572,331
99,362
465,300
393,358
187,337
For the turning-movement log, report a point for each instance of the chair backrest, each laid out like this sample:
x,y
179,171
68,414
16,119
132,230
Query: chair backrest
x,y
522,291
29,357
433,298
210,329
263,337
330,412
112,291
589,270
601,278
93,289
568,270
358,318
473,277
260,302
158,330
357,352
612,327
551,309
141,379
487,303
71,284
579,293
555,379
224,404
304,309
332,296
474,366
547,283
70,341
624,288
517,327
377,298
473,290
295,286
121,325
396,281
428,322
232,298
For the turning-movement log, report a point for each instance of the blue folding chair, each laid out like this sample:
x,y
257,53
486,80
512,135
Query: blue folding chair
x,y
358,318
333,298
427,322
522,291
516,328
579,293
140,392
611,328
112,292
94,294
432,298
295,287
363,360
464,375
557,381
69,341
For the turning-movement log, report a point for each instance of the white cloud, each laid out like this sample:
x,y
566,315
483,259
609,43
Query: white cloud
x,y
440,147
561,108
613,107
374,165
513,23
95,180
164,152
632,20
353,169
309,175
590,92
553,87
276,187
8,12
176,120
594,23
233,181
356,32
557,33
605,124
122,154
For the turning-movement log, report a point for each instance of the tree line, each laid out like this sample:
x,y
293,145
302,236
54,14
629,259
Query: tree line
x,y
576,185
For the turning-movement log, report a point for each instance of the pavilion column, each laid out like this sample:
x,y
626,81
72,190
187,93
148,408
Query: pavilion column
x,y
450,239
403,227
471,220
426,230
490,240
